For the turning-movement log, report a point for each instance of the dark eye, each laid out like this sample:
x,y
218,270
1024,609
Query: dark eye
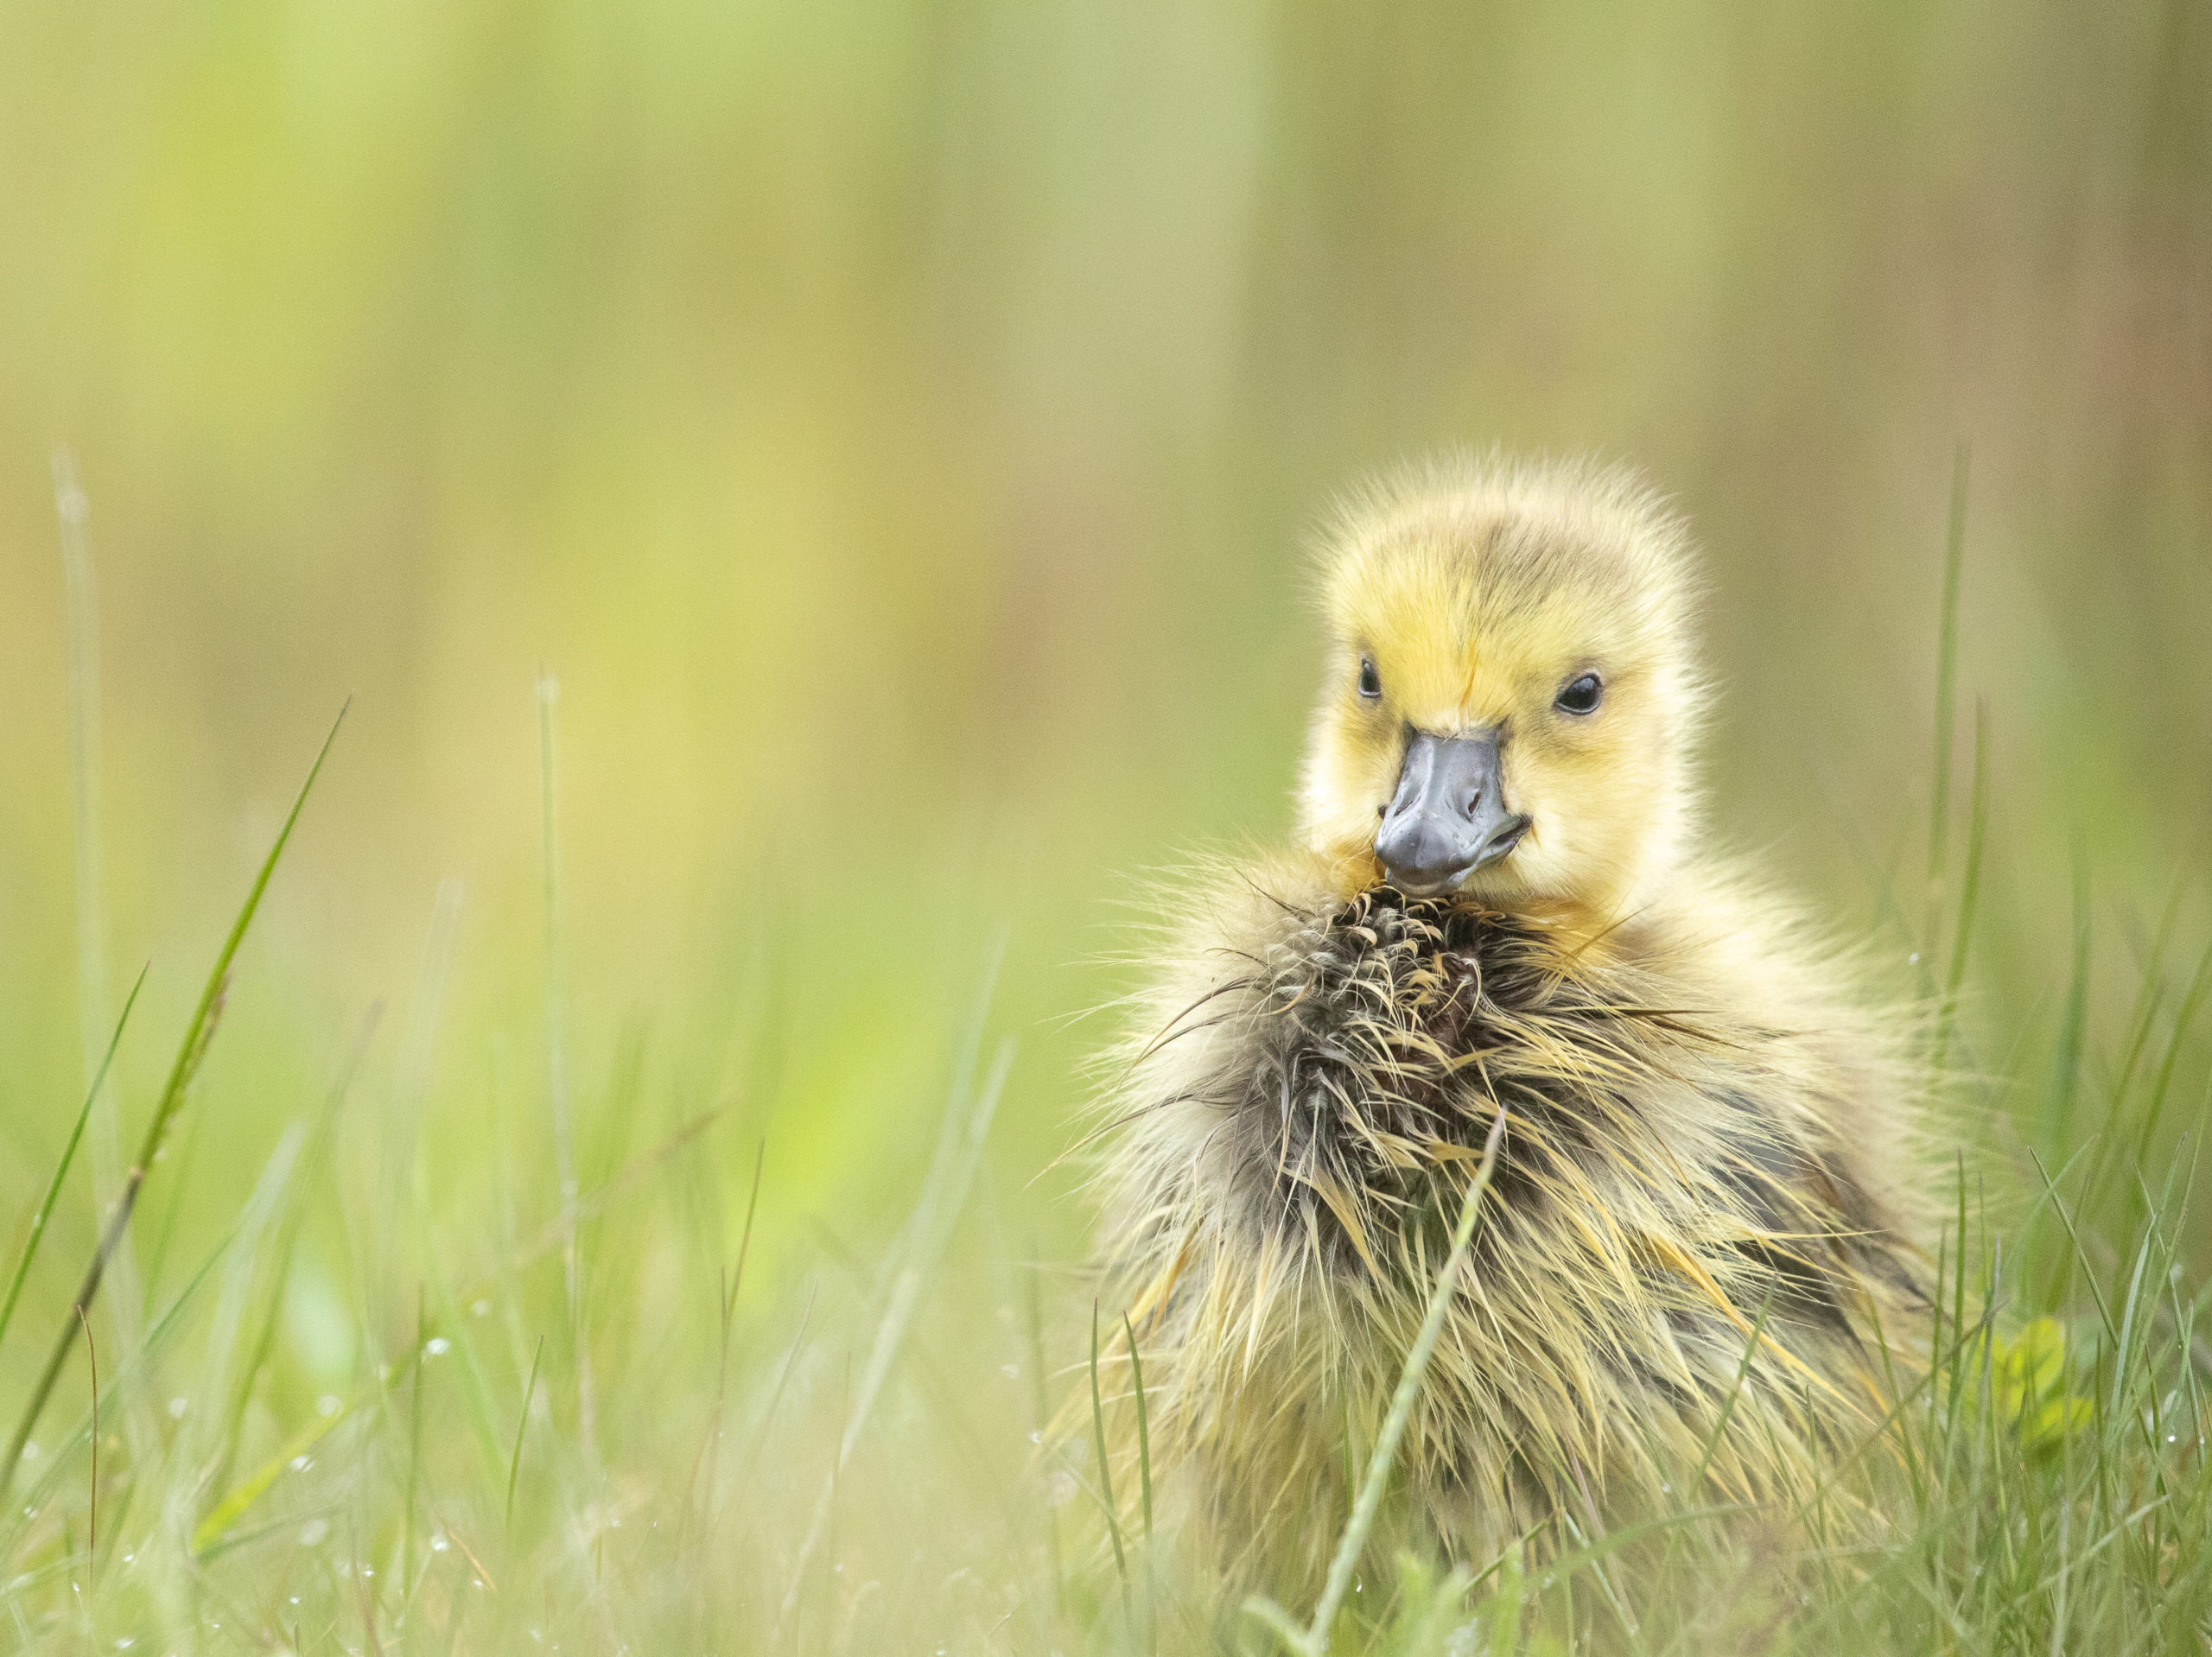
x,y
1370,681
1581,695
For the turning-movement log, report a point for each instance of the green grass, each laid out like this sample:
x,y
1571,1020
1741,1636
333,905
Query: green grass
x,y
598,1389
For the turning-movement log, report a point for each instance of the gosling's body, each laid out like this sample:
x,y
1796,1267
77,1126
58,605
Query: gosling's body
x,y
1697,1262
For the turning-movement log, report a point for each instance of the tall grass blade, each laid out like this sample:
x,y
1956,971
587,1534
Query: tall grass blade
x,y
943,1192
14,1519
1105,1462
1735,1392
414,1447
522,1424
708,1460
1144,1426
1947,669
93,1499
204,1440
61,1168
294,1217
2066,1061
198,1032
939,1208
1969,888
72,512
2200,984
1314,1641
1040,1404
211,1532
556,1073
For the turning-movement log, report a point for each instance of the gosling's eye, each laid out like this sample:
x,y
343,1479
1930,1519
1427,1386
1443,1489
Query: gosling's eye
x,y
1581,695
1370,681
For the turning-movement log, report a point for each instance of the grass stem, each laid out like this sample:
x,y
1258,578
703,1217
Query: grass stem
x,y
1144,1426
522,1424
1947,668
193,1048
1313,1640
61,1168
1105,1461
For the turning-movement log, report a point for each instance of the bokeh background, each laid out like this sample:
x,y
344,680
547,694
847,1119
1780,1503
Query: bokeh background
x,y
898,428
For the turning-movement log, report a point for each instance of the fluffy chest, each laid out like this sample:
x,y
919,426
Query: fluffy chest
x,y
1376,1044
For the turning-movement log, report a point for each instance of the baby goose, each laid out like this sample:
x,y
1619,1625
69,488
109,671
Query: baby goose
x,y
1696,1256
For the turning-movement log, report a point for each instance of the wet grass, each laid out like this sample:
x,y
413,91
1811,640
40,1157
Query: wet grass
x,y
552,1366
843,1460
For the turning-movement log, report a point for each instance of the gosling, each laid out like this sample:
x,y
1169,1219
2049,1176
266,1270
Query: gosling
x,y
1695,1279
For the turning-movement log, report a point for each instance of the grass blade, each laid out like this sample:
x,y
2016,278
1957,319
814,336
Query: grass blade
x,y
61,1168
92,1502
944,1190
189,1052
414,1447
14,1519
294,1218
1041,1406
1144,1427
72,512
2066,1061
1947,671
213,1529
1105,1465
522,1424
1315,1640
1969,887
556,1075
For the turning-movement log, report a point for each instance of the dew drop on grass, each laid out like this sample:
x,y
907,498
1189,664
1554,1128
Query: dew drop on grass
x,y
312,1534
177,1407
30,1451
300,1463
439,1346
327,1405
438,1543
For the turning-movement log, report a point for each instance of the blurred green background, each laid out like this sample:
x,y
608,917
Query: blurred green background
x,y
899,426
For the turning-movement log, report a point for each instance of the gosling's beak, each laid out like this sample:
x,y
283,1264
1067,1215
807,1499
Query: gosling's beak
x,y
1449,817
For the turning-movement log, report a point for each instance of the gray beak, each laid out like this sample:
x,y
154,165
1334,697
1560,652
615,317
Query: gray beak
x,y
1448,818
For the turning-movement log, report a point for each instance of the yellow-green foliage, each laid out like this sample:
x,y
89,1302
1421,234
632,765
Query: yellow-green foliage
x,y
2029,1384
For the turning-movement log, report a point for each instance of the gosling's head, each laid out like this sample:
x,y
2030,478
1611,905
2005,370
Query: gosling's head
x,y
1510,695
